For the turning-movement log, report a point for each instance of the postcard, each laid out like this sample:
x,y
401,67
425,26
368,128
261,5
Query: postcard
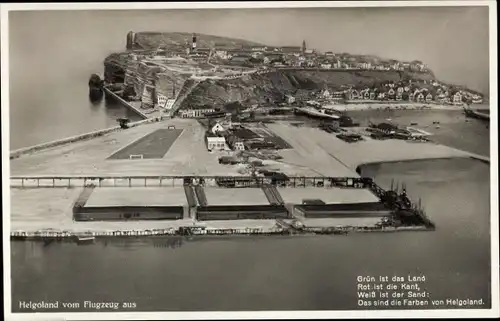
x,y
250,160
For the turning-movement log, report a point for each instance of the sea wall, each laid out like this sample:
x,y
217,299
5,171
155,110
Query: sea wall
x,y
188,231
36,148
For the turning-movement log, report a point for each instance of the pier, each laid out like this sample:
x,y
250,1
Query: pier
x,y
314,113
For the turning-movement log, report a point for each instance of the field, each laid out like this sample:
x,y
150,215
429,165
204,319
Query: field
x,y
187,156
153,145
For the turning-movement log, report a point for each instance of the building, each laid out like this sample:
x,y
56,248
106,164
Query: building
x,y
238,144
457,98
169,104
215,142
329,54
391,93
428,98
162,100
338,95
194,113
353,94
217,128
221,53
290,99
325,93
326,66
258,48
420,98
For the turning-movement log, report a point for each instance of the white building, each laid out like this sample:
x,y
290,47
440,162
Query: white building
x,y
193,113
239,145
217,128
162,100
169,104
457,98
216,143
326,93
290,99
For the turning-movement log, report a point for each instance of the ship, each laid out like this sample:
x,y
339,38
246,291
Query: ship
x,y
469,112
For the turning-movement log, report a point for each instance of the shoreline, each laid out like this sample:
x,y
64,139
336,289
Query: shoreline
x,y
236,227
353,106
137,233
149,119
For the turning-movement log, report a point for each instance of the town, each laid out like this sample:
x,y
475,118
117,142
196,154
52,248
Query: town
x,y
164,77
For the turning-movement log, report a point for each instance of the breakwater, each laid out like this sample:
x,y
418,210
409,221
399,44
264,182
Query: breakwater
x,y
59,142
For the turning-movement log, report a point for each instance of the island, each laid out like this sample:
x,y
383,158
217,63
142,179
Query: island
x,y
226,147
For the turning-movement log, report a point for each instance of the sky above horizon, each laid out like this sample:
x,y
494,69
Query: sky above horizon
x,y
452,41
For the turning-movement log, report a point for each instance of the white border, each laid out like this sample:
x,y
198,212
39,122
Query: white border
x,y
250,315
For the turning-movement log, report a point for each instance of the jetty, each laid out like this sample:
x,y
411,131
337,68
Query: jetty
x,y
312,112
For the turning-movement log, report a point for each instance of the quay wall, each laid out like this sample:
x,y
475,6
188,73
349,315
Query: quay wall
x,y
54,234
478,157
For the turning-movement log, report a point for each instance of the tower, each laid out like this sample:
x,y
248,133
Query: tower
x,y
193,44
130,40
303,46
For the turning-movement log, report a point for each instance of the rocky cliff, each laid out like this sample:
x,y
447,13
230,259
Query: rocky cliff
x,y
262,88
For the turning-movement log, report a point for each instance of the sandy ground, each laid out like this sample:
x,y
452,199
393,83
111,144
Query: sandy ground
x,y
330,156
51,209
187,156
314,153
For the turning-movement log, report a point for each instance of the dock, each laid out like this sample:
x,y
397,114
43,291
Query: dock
x,y
314,113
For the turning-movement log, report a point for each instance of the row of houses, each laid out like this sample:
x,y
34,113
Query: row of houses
x,y
399,95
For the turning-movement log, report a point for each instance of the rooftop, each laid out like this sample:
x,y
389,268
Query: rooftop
x,y
333,195
137,196
236,196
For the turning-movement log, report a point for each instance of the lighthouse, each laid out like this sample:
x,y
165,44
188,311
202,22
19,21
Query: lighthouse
x,y
193,43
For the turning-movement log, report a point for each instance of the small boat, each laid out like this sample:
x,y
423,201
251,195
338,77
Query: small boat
x,y
413,124
85,238
435,122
